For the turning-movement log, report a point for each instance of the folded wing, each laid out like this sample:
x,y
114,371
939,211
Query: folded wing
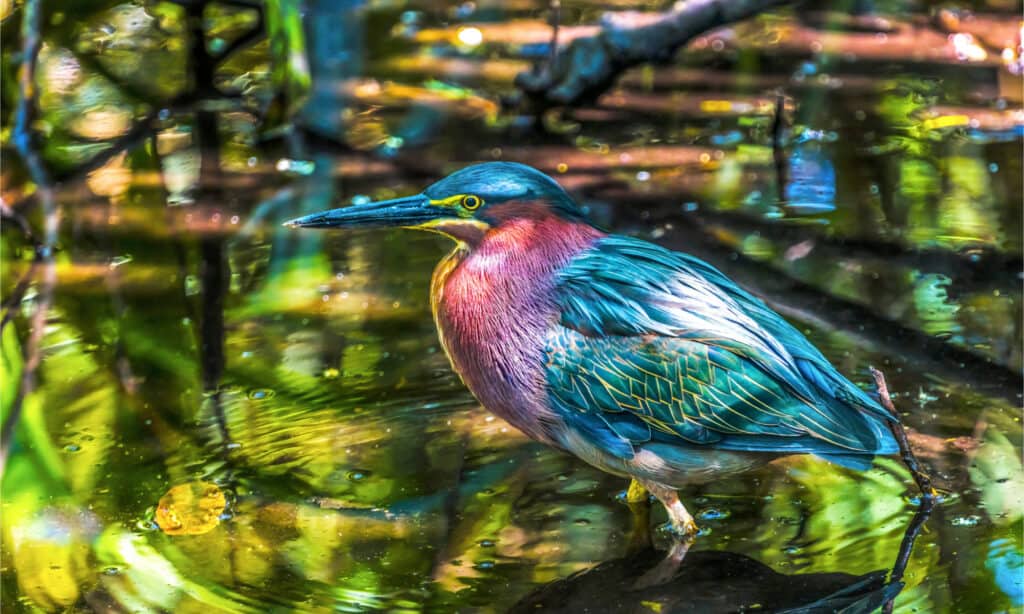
x,y
655,345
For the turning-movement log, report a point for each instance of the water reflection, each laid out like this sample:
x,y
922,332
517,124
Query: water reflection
x,y
811,189
302,381
723,581
710,581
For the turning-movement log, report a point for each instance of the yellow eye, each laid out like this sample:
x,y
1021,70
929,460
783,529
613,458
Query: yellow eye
x,y
471,202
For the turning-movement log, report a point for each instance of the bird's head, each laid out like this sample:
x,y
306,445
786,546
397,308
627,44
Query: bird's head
x,y
463,205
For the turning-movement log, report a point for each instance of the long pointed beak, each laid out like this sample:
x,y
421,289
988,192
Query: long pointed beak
x,y
405,211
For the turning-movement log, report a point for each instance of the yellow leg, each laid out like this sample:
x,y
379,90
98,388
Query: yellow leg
x,y
640,506
636,493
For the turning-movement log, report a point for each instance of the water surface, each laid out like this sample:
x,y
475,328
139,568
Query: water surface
x,y
231,416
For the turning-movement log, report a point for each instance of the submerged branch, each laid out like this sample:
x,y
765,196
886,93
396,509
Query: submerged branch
x,y
585,69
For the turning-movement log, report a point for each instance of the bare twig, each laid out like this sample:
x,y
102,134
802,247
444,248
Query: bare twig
x,y
896,426
137,134
23,140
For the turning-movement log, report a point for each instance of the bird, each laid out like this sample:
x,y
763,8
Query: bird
x,y
644,362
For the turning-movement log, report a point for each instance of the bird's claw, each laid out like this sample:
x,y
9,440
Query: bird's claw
x,y
685,530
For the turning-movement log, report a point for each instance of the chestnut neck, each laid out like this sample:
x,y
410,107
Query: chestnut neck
x,y
494,305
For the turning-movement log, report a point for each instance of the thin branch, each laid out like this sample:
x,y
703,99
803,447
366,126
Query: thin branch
x,y
24,142
136,134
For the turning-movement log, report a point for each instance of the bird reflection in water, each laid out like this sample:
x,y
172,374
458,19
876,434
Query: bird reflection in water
x,y
710,581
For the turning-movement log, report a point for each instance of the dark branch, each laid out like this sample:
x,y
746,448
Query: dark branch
x,y
136,134
585,69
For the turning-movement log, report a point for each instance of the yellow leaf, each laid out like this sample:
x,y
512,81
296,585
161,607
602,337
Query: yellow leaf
x,y
192,508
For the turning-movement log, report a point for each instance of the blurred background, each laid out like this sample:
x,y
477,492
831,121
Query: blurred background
x,y
203,411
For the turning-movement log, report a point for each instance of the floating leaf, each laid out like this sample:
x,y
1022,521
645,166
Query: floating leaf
x,y
192,508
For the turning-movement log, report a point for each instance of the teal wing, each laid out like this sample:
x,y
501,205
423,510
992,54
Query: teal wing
x,y
655,345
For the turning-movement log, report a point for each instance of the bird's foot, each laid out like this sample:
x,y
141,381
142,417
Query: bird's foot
x,y
682,522
684,528
927,499
667,568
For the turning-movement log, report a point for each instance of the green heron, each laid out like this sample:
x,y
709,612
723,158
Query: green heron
x,y
641,361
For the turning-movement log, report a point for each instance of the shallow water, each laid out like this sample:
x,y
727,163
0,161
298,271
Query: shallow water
x,y
231,416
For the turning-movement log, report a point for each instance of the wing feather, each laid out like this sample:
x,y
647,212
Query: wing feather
x,y
659,344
